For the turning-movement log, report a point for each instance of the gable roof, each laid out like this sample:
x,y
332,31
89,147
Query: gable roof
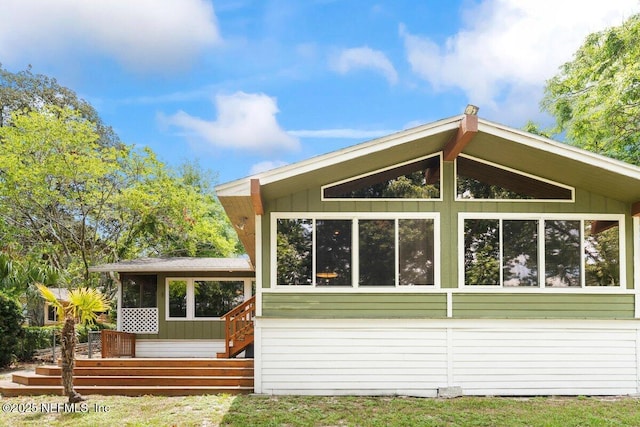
x,y
493,142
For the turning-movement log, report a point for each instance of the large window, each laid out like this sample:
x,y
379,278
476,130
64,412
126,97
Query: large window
x,y
194,299
371,250
541,252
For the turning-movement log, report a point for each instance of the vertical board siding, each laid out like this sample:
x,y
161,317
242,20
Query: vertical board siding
x,y
324,357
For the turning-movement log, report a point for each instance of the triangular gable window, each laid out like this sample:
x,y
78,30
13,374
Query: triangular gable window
x,y
418,179
479,179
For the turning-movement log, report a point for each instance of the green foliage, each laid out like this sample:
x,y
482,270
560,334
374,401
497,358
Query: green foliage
x,y
595,98
78,203
82,331
35,338
10,329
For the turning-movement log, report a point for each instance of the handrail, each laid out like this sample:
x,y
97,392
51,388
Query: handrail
x,y
239,328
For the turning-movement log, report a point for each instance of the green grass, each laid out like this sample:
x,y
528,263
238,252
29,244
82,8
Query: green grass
x,y
322,411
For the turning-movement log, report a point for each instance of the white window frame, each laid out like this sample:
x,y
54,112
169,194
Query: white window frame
x,y
355,265
391,199
191,294
622,286
518,172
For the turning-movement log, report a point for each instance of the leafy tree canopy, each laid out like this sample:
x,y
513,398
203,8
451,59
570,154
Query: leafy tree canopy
x,y
595,98
72,195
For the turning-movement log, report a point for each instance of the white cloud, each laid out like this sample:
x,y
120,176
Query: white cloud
x,y
340,133
140,34
266,166
356,58
245,121
509,47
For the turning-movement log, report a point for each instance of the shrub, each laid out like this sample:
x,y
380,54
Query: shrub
x,y
10,329
35,338
82,331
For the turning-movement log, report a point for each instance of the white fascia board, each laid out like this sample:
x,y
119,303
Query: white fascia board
x,y
242,187
559,148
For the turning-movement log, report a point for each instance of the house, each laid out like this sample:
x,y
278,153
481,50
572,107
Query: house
x,y
50,312
174,305
458,257
461,256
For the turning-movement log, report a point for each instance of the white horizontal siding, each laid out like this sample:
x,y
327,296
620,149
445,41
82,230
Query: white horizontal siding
x,y
383,357
179,348
550,361
320,360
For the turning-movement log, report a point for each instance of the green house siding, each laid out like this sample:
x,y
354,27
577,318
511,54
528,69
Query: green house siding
x,y
552,306
433,305
354,306
186,329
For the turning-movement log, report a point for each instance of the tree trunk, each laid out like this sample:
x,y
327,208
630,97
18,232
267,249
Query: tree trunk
x,y
68,348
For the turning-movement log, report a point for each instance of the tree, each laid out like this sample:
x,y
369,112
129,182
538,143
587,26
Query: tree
x,y
25,91
10,329
595,98
82,306
75,202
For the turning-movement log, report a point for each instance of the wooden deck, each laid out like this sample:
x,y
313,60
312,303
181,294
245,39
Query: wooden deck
x,y
137,377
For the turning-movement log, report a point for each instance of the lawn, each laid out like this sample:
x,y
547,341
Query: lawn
x,y
319,411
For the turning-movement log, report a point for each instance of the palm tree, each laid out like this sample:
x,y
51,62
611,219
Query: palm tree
x,y
82,306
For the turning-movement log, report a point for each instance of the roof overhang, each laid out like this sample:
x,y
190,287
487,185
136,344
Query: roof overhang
x,y
175,265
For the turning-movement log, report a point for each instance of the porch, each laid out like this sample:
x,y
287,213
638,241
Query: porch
x,y
119,372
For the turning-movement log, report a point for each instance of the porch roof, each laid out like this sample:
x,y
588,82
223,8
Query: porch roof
x,y
160,265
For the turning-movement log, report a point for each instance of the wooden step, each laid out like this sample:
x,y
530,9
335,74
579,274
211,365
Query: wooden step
x,y
28,378
149,371
179,363
135,377
13,390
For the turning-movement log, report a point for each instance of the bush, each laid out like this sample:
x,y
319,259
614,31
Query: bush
x,y
10,329
35,338
82,331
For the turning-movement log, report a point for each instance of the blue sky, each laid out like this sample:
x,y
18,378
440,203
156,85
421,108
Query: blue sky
x,y
245,85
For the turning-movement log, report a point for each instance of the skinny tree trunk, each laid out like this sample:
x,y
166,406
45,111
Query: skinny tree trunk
x,y
68,348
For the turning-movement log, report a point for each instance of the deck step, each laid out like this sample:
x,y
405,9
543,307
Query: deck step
x,y
135,377
148,371
35,379
144,362
13,390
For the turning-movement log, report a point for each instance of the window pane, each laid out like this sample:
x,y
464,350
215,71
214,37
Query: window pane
x,y
417,180
562,253
294,251
482,252
215,298
520,253
333,252
416,251
178,298
139,290
377,252
602,253
479,180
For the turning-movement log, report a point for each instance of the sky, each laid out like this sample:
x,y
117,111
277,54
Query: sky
x,y
243,86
